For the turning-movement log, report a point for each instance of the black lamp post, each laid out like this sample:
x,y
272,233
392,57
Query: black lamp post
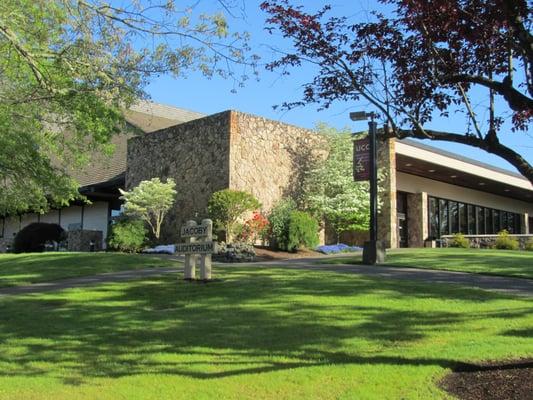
x,y
373,250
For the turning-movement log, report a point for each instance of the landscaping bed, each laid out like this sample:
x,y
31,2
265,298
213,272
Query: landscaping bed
x,y
492,381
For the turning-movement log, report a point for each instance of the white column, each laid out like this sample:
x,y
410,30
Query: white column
x,y
205,261
190,259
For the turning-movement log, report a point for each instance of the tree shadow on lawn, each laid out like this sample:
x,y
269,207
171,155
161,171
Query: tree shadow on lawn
x,y
40,267
252,322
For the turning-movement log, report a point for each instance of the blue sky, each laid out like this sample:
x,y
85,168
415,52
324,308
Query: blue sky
x,y
258,97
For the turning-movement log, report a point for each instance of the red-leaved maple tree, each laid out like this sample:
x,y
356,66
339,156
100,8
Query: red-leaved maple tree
x,y
425,59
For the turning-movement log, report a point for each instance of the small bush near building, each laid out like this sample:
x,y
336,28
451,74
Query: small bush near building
x,y
128,235
33,237
506,242
225,207
302,231
529,245
460,241
279,224
254,229
234,252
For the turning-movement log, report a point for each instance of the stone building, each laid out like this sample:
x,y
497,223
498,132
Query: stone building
x,y
229,150
427,193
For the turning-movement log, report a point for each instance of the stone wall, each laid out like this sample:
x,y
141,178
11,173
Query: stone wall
x,y
417,219
226,150
84,240
195,154
486,241
270,159
387,216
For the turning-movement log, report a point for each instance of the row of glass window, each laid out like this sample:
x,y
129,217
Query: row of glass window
x,y
447,217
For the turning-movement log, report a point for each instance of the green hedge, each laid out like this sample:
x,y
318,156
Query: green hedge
x,y
128,235
302,231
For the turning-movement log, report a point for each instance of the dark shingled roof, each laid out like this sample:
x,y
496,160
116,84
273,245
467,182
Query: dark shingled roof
x,y
145,117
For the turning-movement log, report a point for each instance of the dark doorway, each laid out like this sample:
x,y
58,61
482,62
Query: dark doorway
x,y
401,210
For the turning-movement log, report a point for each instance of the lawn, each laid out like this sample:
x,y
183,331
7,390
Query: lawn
x,y
256,333
24,269
479,261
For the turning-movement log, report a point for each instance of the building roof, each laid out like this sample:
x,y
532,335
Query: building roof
x,y
144,117
415,158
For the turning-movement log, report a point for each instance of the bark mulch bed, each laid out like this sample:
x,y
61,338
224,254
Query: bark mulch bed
x,y
511,380
266,254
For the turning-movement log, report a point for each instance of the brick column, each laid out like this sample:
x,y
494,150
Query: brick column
x,y
417,219
387,219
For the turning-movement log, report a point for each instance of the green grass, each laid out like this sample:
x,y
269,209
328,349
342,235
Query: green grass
x,y
257,333
25,269
479,261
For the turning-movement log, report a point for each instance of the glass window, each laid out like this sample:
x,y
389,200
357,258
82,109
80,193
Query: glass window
x,y
471,220
504,221
463,221
443,217
480,220
496,220
488,221
454,217
433,218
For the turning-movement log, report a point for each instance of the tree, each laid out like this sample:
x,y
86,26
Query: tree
x,y
150,201
428,59
68,69
330,192
226,206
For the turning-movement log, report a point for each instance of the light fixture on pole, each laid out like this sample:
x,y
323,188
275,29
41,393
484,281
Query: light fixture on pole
x,y
373,250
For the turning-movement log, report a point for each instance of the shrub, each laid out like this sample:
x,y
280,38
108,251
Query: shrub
x,y
529,245
150,201
33,237
506,242
128,235
279,223
226,206
253,229
235,252
302,232
460,241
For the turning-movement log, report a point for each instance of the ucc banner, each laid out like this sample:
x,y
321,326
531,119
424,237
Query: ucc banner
x,y
361,159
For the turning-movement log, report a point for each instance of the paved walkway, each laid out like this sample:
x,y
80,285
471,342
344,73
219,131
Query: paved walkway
x,y
508,285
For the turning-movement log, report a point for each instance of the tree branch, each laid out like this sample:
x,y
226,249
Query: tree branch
x,y
517,101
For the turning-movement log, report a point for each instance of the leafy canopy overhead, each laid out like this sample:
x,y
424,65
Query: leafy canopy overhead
x,y
69,67
427,59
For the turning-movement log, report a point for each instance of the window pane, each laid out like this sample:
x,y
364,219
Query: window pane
x,y
497,225
504,221
471,220
463,221
454,217
488,221
433,218
480,220
443,209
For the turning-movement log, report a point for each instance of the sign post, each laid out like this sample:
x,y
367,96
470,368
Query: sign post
x,y
194,249
365,169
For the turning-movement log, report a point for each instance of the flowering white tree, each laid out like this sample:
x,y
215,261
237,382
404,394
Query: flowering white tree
x,y
150,201
330,191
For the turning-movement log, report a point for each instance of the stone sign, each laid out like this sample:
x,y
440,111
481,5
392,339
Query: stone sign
x,y
197,249
361,159
194,231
